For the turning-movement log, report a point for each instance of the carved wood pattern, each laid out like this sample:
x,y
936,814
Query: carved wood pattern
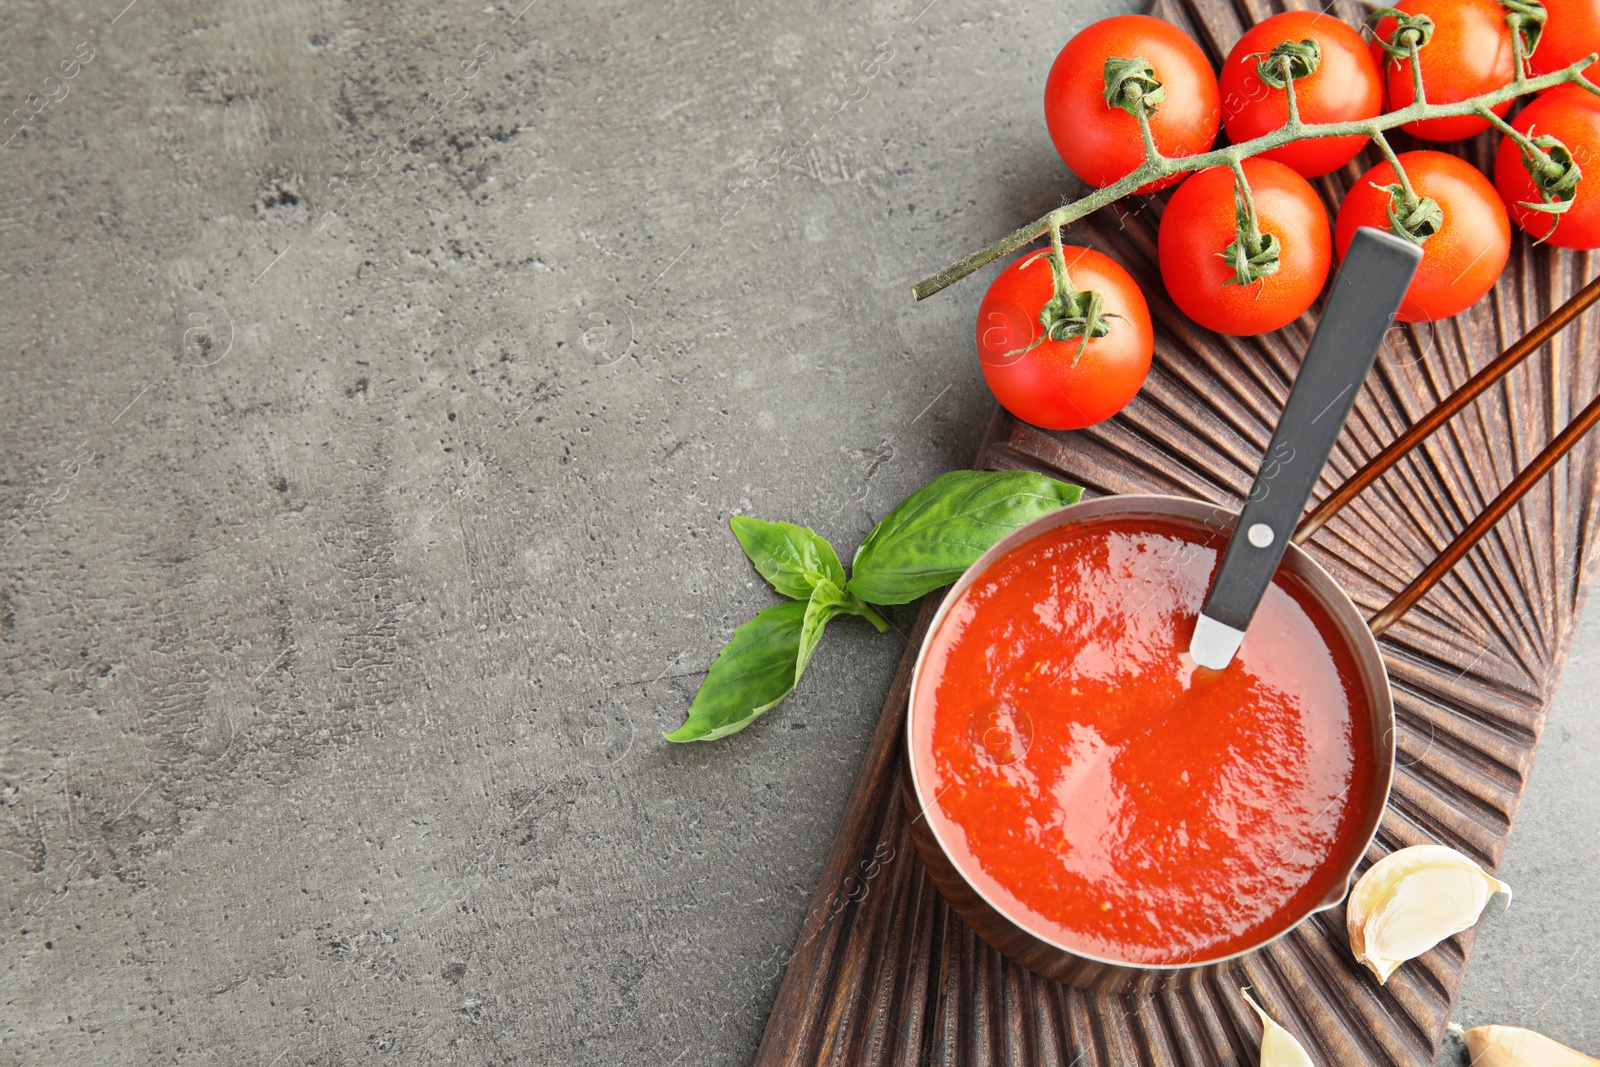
x,y
893,978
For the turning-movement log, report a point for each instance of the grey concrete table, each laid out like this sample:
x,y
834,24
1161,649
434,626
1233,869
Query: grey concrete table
x,y
377,382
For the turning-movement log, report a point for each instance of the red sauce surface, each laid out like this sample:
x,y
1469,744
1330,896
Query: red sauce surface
x,y
1108,794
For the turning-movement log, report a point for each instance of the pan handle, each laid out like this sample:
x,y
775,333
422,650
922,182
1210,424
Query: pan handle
x,y
1447,409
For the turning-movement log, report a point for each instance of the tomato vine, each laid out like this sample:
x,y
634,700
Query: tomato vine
x,y
1131,85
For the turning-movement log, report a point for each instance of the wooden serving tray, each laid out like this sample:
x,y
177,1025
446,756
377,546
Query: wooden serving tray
x,y
883,972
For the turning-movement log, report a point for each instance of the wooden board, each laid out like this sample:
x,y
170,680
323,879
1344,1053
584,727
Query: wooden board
x,y
883,973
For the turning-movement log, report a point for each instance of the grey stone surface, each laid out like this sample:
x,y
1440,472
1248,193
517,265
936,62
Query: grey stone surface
x,y
1534,964
377,381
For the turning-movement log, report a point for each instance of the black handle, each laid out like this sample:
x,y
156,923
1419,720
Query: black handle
x,y
1367,290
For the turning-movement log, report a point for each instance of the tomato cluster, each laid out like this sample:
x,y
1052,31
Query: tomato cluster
x,y
1247,248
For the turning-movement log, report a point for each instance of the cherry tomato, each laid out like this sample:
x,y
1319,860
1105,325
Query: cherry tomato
x,y
1464,258
1572,115
1469,54
1345,87
1200,223
1571,33
1067,384
1101,143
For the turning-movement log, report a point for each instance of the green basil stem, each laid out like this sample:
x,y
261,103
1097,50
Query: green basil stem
x,y
1157,166
864,610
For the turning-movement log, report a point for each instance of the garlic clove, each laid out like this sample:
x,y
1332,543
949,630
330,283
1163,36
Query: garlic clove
x,y
1411,900
1278,1046
1512,1046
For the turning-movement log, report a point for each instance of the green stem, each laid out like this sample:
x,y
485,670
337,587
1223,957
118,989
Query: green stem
x,y
1530,150
1070,313
1418,96
1399,171
1416,218
878,622
1060,254
1159,166
1152,154
1252,255
1252,224
1527,20
1288,88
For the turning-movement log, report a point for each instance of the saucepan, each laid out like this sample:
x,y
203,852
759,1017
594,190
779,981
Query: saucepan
x,y
1147,735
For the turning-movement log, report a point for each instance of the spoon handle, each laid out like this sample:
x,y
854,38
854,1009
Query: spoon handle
x,y
1367,290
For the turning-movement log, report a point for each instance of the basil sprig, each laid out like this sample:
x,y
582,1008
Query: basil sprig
x,y
925,543
937,532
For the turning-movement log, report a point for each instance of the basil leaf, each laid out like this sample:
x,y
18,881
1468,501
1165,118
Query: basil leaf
x,y
755,669
793,558
937,532
827,602
925,542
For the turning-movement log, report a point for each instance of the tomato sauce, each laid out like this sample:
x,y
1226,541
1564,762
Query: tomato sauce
x,y
1107,794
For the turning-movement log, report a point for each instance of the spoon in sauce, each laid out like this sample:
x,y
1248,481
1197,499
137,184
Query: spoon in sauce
x,y
1367,289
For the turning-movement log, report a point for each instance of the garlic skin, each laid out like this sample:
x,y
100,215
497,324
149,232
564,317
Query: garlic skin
x,y
1278,1046
1411,900
1512,1046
